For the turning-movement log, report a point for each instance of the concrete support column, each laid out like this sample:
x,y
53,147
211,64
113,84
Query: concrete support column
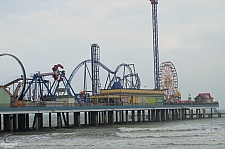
x,y
85,118
197,113
203,113
149,116
153,118
139,115
122,114
181,114
190,114
14,122
133,116
162,115
158,115
37,121
77,119
211,114
165,114
6,122
170,114
102,117
50,120
64,119
21,121
59,120
173,114
89,117
126,116
99,117
27,121
111,117
143,115
94,118
105,118
67,119
176,114
74,119
116,116
11,123
185,113
0,122
39,117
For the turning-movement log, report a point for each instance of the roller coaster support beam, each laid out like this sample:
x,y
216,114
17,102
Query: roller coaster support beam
x,y
65,82
40,79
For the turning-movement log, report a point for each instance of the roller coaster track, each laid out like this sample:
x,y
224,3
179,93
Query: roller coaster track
x,y
137,86
23,77
104,67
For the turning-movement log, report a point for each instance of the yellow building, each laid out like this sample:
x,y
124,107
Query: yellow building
x,y
133,96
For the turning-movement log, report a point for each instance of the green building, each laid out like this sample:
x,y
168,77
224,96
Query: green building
x,y
4,97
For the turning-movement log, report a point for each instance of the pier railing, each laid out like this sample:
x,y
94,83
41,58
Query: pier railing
x,y
43,104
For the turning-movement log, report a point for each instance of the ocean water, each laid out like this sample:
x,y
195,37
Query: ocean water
x,y
206,133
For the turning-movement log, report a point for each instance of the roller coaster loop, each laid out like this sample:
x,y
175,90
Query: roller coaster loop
x,y
20,96
104,67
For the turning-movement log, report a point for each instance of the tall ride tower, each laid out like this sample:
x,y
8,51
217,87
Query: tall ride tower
x,y
95,58
155,42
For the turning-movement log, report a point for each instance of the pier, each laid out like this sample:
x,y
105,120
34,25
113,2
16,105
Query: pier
x,y
17,119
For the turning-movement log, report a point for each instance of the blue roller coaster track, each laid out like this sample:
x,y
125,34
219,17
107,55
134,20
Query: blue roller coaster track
x,y
131,73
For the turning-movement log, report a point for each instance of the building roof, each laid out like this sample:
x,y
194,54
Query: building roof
x,y
131,92
205,95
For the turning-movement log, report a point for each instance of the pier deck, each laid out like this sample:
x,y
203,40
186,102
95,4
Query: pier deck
x,y
99,107
17,118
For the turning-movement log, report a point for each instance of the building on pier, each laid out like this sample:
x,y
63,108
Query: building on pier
x,y
5,96
204,98
131,96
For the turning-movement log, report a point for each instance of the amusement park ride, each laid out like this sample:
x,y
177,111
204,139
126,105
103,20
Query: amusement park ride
x,y
37,84
165,75
39,89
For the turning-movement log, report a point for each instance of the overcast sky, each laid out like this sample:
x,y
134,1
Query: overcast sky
x,y
191,35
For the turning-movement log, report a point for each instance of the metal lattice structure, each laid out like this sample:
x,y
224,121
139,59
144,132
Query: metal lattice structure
x,y
168,80
128,80
40,90
95,57
155,42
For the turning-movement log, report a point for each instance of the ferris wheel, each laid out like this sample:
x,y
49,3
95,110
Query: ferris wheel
x,y
168,80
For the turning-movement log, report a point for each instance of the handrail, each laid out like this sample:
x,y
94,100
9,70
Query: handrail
x,y
63,104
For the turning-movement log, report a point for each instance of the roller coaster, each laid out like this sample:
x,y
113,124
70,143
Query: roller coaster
x,y
130,80
39,89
